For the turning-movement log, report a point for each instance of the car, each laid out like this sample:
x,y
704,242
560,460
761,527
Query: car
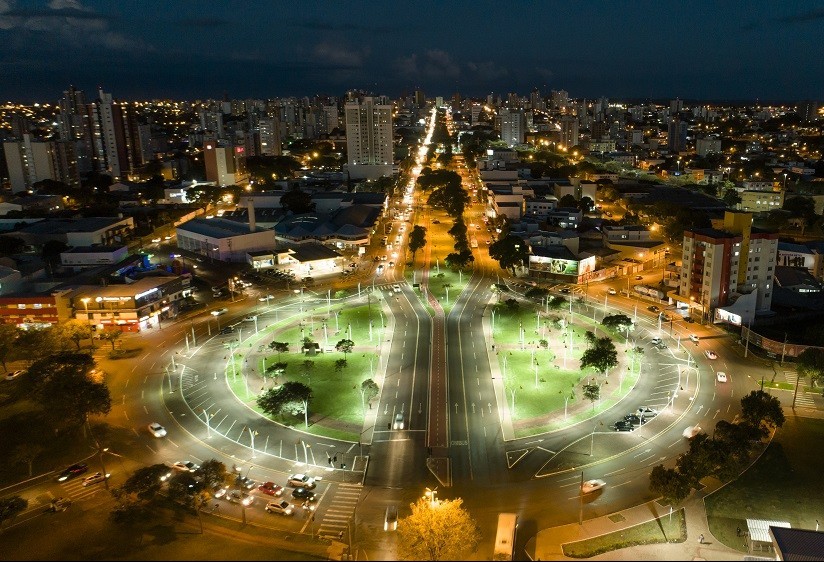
x,y
638,277
241,497
220,311
721,376
94,478
396,288
281,507
391,264
622,425
653,308
157,430
380,269
72,471
692,431
271,489
656,341
634,419
664,317
227,330
301,481
612,291
646,412
167,237
155,240
436,221
384,258
245,482
303,494
185,466
565,290
688,319
398,423
694,338
221,493
711,354
59,504
13,375
390,519
592,485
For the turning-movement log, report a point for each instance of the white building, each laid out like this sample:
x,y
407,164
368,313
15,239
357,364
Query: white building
x,y
222,239
513,126
369,138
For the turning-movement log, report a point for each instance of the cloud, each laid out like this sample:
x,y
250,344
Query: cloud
x,y
339,54
203,22
68,21
433,64
487,70
804,17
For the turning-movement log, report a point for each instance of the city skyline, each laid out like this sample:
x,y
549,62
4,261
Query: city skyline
x,y
638,51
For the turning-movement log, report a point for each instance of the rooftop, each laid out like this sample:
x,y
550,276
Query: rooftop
x,y
217,227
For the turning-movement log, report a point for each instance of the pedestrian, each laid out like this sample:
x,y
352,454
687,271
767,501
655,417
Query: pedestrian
x,y
701,538
738,531
340,536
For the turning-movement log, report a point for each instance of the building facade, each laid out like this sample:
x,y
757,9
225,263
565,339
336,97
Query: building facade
x,y
369,137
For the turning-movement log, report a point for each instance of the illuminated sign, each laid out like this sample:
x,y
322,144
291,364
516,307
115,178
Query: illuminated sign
x,y
239,149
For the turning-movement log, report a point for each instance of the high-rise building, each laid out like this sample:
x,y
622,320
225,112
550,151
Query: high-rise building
x,y
73,127
569,130
513,126
599,130
369,138
269,137
30,160
729,268
676,106
635,137
677,135
225,164
535,100
420,99
707,145
808,111
560,99
110,137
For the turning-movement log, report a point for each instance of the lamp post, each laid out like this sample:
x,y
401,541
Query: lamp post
x,y
85,301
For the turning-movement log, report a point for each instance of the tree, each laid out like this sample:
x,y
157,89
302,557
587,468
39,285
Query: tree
x,y
51,252
183,488
568,201
620,322
731,198
75,331
292,396
8,337
417,240
111,334
308,366
810,364
444,531
759,408
340,365
213,473
536,293
509,251
145,482
26,452
11,506
277,369
34,344
279,347
592,392
345,346
601,355
669,483
369,390
460,260
297,201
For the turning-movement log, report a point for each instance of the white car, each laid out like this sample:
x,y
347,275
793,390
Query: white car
x,y
612,291
281,507
396,288
646,412
592,485
655,341
693,338
157,430
710,354
185,466
94,478
721,376
692,431
301,481
14,375
220,311
398,423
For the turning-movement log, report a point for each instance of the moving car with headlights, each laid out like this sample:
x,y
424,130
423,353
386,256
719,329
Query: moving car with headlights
x,y
390,519
301,481
692,431
241,497
185,466
721,376
693,338
94,478
72,471
303,494
710,354
398,423
157,430
281,507
592,485
271,489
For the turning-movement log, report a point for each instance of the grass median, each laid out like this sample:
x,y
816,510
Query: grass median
x,y
667,529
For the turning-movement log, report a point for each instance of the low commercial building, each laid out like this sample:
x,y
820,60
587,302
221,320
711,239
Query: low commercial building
x,y
36,310
222,239
302,260
85,257
76,231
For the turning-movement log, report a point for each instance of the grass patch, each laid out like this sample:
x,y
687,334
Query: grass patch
x,y
617,518
783,485
661,530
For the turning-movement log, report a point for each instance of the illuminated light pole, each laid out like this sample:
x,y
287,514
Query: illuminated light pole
x,y
85,301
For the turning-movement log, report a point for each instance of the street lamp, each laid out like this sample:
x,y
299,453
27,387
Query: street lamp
x,y
85,301
431,495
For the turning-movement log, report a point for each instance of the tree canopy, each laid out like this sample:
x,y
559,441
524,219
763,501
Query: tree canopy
x,y
810,364
291,396
510,251
620,322
443,531
601,355
759,407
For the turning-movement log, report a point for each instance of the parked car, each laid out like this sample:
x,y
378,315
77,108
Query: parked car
x,y
721,376
13,375
688,319
592,485
94,478
281,507
301,481
157,430
72,471
638,277
271,489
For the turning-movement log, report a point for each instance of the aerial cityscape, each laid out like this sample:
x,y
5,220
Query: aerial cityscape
x,y
369,282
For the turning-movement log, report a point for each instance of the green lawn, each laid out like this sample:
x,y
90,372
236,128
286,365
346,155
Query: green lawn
x,y
662,530
783,485
438,285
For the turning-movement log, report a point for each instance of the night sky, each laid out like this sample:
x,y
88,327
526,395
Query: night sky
x,y
141,49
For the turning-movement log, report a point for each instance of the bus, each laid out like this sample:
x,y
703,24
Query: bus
x,y
505,538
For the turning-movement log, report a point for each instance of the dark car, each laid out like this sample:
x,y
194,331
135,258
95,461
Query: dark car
x,y
303,494
688,319
72,471
623,425
653,308
634,419
227,330
245,482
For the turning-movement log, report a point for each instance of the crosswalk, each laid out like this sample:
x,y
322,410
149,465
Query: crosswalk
x,y
340,511
801,399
